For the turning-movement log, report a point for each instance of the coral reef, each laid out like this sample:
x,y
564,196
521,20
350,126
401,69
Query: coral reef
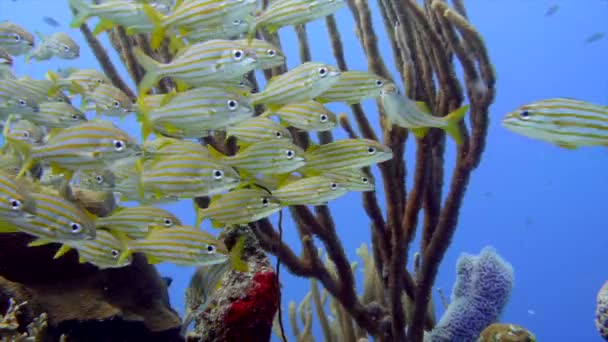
x,y
497,332
242,309
481,292
9,325
601,311
81,301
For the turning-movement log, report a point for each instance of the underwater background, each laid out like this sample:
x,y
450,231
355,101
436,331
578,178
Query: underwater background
x,y
541,206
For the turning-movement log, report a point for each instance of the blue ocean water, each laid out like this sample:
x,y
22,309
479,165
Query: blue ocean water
x,y
539,205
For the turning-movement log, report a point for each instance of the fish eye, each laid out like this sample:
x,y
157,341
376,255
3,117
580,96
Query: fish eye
x,y
119,145
379,83
210,249
524,114
116,104
290,154
66,48
75,117
17,37
115,253
232,104
334,186
75,227
99,80
26,134
168,222
279,135
237,22
218,174
322,71
323,118
237,54
22,102
15,204
371,150
99,179
265,201
271,52
364,180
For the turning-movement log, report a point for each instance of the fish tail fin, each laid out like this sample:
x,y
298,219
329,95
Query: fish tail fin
x,y
453,119
199,216
83,12
153,70
144,117
157,19
236,255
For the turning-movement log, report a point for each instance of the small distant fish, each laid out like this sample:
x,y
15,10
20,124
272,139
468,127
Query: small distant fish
x,y
136,221
78,81
104,251
51,21
310,116
566,122
225,30
315,190
257,128
595,37
108,100
531,312
354,86
551,10
57,115
58,44
165,147
15,39
266,55
239,206
352,179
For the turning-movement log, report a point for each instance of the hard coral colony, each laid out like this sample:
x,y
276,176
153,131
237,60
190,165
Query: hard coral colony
x,y
256,155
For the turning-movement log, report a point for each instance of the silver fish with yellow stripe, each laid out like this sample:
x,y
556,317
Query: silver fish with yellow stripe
x,y
25,131
57,115
15,39
266,54
108,100
164,147
42,90
345,154
416,116
180,245
136,221
198,63
16,100
187,175
315,190
353,87
256,129
78,81
89,145
104,251
58,44
265,157
128,14
16,203
191,113
226,30
57,220
239,206
193,14
566,122
302,83
310,116
352,179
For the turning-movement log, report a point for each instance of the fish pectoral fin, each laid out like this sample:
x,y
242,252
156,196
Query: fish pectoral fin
x,y
153,260
216,224
103,25
566,145
420,132
39,242
81,260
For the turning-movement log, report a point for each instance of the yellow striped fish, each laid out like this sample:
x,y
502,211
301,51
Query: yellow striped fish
x,y
129,14
108,100
239,206
78,81
310,116
256,129
57,115
136,221
293,12
15,39
315,190
198,64
416,116
352,179
59,45
187,175
42,90
25,131
353,87
226,30
204,282
180,245
345,154
57,220
566,122
191,113
267,55
194,14
16,100
302,83
16,203
99,179
165,147
89,145
104,251
5,59
266,157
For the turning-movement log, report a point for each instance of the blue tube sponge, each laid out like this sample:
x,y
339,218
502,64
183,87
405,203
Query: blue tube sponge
x,y
481,292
